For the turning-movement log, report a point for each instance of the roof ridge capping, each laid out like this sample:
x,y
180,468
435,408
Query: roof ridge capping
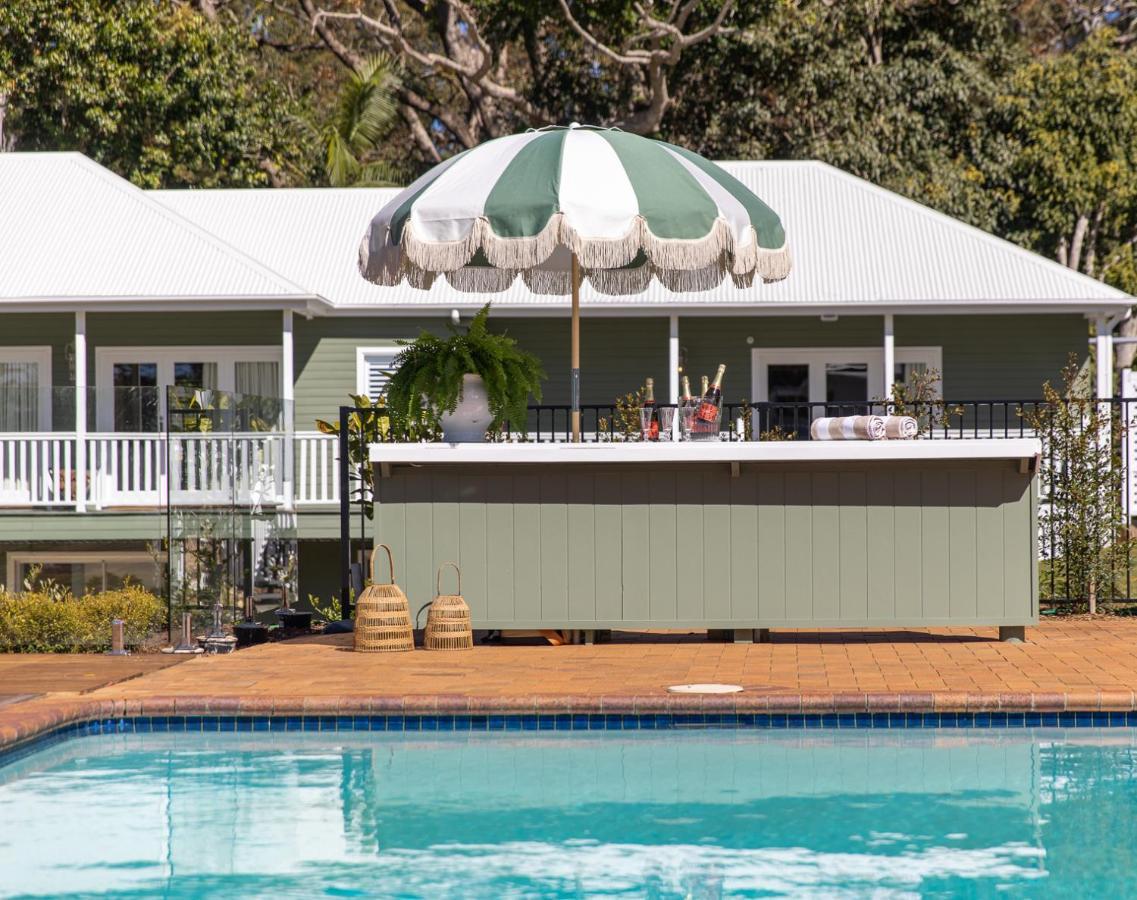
x,y
863,184
132,191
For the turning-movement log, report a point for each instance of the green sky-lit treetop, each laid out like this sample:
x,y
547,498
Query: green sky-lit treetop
x,y
155,92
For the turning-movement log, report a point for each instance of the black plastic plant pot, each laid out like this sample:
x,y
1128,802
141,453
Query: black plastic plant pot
x,y
249,634
294,619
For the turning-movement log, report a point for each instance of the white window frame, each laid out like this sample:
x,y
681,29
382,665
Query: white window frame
x,y
817,358
226,358
30,557
361,364
40,354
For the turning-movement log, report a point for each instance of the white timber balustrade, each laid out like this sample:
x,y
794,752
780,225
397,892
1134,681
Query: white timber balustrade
x,y
147,470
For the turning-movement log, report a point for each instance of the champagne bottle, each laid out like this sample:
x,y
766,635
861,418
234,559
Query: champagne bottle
x,y
687,398
652,433
705,384
712,399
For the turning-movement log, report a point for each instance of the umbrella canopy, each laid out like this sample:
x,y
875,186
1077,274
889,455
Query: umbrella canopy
x,y
557,205
628,208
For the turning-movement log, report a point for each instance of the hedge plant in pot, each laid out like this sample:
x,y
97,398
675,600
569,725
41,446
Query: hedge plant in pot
x,y
472,379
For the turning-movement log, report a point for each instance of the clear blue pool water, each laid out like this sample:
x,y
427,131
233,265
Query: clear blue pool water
x,y
701,814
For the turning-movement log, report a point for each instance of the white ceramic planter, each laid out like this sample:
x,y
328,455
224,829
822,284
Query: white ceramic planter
x,y
471,417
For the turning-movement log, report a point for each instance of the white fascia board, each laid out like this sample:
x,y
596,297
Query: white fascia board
x,y
588,310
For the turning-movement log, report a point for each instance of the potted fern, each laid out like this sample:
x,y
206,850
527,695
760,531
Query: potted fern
x,y
473,380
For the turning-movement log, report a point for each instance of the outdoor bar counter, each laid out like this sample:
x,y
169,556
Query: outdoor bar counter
x,y
737,536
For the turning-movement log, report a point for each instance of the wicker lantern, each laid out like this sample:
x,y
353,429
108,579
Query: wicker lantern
x,y
383,615
448,620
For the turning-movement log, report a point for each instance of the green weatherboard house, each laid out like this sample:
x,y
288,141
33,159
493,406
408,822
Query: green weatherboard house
x,y
111,295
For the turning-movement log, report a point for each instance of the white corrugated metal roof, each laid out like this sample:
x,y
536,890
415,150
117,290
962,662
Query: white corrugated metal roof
x,y
73,232
854,244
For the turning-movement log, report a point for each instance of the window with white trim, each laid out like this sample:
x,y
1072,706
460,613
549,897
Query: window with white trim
x,y
25,388
373,367
85,572
131,382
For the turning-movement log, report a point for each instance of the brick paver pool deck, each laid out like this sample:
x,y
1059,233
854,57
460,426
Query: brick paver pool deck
x,y
1065,665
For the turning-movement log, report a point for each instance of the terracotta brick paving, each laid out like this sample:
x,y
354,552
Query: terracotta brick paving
x,y
1064,657
1065,665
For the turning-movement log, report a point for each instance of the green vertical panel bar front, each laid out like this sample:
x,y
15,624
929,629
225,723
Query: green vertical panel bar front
x,y
500,538
799,546
962,553
689,547
472,550
582,547
716,544
446,538
527,548
880,555
609,547
420,538
662,527
554,549
934,555
635,490
989,562
1018,545
853,551
826,547
391,513
771,545
907,515
744,548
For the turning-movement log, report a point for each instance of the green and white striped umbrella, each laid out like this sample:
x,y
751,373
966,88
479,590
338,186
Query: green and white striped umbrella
x,y
628,208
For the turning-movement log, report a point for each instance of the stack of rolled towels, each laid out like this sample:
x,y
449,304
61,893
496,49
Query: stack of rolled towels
x,y
864,428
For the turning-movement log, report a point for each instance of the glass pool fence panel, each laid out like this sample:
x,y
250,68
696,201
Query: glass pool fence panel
x,y
228,523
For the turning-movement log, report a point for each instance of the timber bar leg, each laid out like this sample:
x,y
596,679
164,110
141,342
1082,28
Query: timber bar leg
x,y
1015,634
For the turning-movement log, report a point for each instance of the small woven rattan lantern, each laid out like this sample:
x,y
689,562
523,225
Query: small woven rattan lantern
x,y
383,615
448,619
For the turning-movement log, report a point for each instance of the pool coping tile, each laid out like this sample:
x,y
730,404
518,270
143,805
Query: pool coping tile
x,y
24,722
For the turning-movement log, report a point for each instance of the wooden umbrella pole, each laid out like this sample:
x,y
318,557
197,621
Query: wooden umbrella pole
x,y
575,383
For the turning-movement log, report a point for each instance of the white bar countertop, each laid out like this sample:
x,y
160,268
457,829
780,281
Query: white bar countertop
x,y
707,451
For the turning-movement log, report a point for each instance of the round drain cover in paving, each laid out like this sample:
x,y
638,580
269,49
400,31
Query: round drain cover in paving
x,y
704,689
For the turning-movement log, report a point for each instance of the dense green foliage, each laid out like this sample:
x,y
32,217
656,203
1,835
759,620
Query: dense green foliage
x,y
44,621
432,367
153,91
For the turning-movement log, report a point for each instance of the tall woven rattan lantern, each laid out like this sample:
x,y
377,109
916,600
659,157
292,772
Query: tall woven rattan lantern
x,y
448,624
383,615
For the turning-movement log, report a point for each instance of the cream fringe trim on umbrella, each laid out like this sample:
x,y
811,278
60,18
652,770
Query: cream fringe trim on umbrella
x,y
706,261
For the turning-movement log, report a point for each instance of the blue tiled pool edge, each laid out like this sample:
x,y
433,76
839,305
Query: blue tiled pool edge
x,y
419,723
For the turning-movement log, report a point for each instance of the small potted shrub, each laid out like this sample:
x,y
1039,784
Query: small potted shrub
x,y
473,380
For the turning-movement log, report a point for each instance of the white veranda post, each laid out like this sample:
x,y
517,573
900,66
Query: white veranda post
x,y
287,394
673,360
889,355
80,411
575,361
1104,358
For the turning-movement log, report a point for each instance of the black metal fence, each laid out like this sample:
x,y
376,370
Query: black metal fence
x,y
938,420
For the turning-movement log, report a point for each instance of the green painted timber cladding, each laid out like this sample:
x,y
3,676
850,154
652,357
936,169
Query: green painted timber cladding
x,y
663,546
985,357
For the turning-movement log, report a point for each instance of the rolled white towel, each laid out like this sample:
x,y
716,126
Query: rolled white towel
x,y
900,428
847,428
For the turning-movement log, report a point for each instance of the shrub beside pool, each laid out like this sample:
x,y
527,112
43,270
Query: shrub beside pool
x,y
48,622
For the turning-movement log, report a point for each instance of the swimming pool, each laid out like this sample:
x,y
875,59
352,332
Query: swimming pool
x,y
698,813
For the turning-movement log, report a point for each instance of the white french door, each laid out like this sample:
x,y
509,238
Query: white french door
x,y
25,389
132,381
831,374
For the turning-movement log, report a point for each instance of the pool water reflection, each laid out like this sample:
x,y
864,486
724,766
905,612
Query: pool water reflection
x,y
686,814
